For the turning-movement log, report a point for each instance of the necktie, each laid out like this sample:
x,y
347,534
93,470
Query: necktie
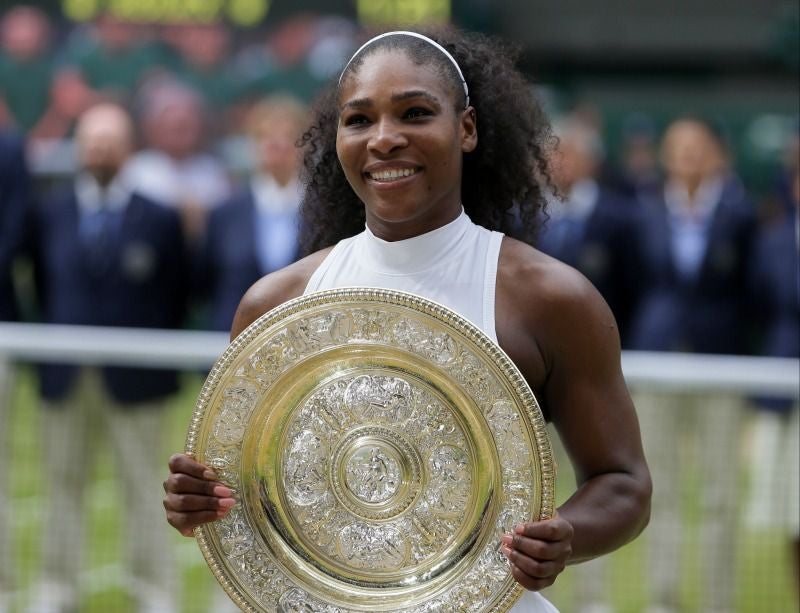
x,y
98,230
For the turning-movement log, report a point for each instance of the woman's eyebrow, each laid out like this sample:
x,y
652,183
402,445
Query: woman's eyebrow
x,y
415,93
360,103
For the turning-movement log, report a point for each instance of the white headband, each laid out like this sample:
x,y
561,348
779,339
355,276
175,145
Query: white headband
x,y
415,35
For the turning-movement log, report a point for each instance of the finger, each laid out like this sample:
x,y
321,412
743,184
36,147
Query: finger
x,y
182,463
180,483
528,582
556,529
536,548
183,503
185,523
537,569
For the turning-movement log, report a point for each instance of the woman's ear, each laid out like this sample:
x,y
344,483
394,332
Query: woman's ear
x,y
469,130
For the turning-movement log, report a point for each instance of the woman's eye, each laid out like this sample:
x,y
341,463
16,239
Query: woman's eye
x,y
355,120
417,112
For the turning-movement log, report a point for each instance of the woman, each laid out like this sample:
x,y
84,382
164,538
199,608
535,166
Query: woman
x,y
411,132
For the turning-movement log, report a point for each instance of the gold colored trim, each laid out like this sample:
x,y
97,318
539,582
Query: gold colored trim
x,y
258,423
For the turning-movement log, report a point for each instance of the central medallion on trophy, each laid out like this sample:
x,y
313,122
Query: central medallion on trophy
x,y
376,473
372,474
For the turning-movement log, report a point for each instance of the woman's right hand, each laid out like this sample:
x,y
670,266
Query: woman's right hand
x,y
194,495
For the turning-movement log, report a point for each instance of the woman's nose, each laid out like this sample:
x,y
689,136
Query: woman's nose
x,y
386,136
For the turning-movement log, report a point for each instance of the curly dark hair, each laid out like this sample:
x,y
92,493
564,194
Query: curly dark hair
x,y
503,180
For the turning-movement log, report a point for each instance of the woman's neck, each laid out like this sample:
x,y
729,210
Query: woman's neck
x,y
390,230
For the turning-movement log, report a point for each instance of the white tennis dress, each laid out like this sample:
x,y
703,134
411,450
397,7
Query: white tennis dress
x,y
455,265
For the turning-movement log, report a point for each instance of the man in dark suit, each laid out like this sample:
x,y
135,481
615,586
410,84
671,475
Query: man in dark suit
x,y
593,229
774,497
14,205
256,231
696,237
15,194
109,257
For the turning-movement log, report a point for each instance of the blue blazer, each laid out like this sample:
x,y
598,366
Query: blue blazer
x,y
15,195
709,314
143,285
776,279
776,286
229,262
606,253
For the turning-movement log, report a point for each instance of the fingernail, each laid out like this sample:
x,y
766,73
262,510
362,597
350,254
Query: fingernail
x,y
226,503
209,475
222,491
505,551
507,539
519,528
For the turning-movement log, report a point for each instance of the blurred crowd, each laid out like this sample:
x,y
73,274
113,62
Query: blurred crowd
x,y
151,228
49,76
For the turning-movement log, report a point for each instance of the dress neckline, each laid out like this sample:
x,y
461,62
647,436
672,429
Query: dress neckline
x,y
414,254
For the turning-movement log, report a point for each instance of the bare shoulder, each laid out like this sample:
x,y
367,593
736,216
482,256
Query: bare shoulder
x,y
544,286
274,289
548,313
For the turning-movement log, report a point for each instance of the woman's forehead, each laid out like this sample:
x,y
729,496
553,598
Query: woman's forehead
x,y
389,71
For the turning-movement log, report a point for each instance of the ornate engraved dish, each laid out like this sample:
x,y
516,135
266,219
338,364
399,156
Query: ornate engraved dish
x,y
378,445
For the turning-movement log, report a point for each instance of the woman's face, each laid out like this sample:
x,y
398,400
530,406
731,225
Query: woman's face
x,y
400,142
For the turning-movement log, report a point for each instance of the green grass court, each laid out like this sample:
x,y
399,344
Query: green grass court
x,y
764,575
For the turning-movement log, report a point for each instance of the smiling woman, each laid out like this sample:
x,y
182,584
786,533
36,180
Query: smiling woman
x,y
431,143
507,134
400,143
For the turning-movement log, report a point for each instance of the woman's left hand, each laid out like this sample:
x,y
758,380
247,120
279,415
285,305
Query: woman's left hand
x,y
538,551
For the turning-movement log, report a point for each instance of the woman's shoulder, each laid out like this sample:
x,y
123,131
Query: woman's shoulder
x,y
551,320
550,302
530,274
276,288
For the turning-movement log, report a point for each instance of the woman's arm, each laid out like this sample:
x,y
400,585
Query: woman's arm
x,y
559,331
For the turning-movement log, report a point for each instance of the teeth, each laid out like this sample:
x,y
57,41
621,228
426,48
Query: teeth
x,y
392,175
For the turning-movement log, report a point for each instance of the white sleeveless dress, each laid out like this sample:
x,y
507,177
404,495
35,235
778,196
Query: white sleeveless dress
x,y
455,265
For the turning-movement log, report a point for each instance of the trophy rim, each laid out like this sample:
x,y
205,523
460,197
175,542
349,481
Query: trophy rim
x,y
489,350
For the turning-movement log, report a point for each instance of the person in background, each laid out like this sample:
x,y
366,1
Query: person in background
x,y
175,167
201,63
113,57
26,67
106,256
593,229
255,232
15,202
639,158
104,61
696,241
774,498
297,58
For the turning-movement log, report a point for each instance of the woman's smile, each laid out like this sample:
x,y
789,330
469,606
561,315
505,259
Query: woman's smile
x,y
391,175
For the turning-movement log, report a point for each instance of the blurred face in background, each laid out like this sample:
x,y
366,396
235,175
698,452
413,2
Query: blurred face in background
x,y
690,153
24,32
115,34
275,128
576,158
104,138
203,45
175,125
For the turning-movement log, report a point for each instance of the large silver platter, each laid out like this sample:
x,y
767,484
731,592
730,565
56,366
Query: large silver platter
x,y
378,445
